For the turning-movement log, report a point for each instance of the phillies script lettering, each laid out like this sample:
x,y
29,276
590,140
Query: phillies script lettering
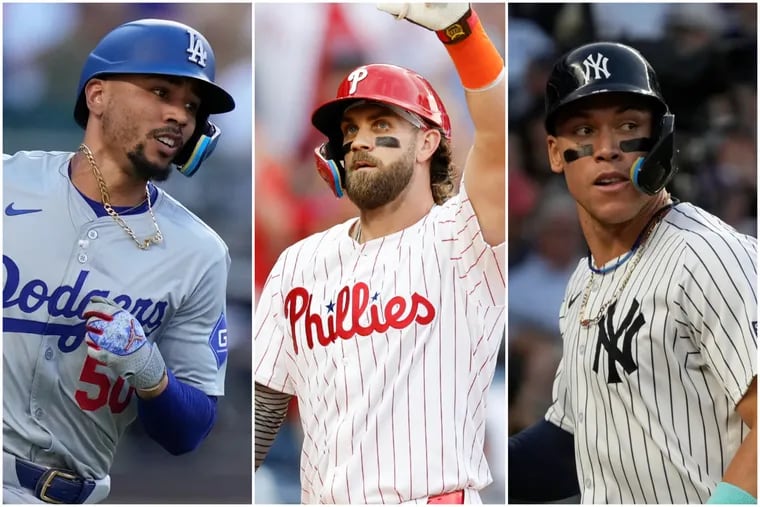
x,y
350,305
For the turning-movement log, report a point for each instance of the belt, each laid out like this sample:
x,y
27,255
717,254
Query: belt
x,y
53,485
455,497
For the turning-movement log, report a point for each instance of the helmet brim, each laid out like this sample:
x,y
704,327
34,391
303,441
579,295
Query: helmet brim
x,y
214,99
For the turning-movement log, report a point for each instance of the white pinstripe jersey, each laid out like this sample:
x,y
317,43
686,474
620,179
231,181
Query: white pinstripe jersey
x,y
649,392
390,347
60,407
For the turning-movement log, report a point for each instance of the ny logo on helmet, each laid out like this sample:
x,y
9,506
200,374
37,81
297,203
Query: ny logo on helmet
x,y
196,50
355,77
599,67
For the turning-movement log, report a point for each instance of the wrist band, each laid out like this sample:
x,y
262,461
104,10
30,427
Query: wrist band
x,y
476,59
726,493
459,30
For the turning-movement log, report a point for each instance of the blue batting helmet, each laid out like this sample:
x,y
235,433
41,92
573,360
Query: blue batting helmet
x,y
169,48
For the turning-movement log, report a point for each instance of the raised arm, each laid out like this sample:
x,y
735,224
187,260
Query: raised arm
x,y
481,70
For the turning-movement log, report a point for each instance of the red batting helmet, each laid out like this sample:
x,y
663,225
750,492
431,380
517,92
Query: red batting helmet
x,y
386,84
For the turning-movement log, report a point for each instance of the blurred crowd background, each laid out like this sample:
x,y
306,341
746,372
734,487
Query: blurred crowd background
x,y
302,52
44,48
705,56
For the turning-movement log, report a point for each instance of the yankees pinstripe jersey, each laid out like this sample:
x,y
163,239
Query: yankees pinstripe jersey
x,y
61,407
649,391
390,347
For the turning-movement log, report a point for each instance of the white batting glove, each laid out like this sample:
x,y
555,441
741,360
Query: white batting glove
x,y
115,337
431,15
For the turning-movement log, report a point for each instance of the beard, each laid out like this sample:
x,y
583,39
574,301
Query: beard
x,y
146,169
374,187
118,127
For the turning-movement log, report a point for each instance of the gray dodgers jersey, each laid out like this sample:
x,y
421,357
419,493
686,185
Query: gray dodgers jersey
x,y
61,407
649,392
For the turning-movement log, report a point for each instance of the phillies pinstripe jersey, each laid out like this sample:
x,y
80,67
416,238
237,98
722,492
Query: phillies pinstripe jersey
x,y
390,347
649,391
60,407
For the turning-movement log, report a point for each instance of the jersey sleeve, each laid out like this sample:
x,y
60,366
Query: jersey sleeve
x,y
560,412
270,338
194,345
480,266
718,296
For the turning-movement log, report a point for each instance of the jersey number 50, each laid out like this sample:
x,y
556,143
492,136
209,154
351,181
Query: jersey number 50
x,y
107,393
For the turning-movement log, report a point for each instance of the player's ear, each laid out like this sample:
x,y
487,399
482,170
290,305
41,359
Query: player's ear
x,y
555,157
93,93
427,144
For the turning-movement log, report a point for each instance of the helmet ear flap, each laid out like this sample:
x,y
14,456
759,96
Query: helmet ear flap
x,y
198,148
330,168
651,173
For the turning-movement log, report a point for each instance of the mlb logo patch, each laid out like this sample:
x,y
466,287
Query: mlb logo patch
x,y
218,341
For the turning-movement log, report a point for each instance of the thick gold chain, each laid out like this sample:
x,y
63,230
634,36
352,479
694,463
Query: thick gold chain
x,y
628,272
106,197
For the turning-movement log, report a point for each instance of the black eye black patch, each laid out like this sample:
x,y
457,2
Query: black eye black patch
x,y
640,144
387,141
584,150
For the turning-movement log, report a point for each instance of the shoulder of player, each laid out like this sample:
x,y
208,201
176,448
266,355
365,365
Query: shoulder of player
x,y
32,162
318,242
173,214
704,236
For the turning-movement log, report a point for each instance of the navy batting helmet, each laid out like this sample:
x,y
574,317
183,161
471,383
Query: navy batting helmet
x,y
169,48
609,67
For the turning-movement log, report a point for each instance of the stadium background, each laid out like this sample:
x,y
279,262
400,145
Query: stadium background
x,y
302,51
705,56
44,48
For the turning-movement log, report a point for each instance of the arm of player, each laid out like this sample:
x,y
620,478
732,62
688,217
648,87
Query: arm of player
x,y
742,471
271,407
542,464
180,418
481,70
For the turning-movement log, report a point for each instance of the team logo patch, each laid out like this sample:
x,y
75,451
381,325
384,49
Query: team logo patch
x,y
198,53
218,341
599,66
608,339
355,77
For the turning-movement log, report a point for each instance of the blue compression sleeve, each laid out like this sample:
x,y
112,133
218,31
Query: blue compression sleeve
x,y
542,464
179,418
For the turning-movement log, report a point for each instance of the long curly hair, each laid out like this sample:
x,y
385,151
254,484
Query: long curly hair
x,y
442,172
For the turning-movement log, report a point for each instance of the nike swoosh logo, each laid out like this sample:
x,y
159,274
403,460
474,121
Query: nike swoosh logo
x,y
572,300
12,212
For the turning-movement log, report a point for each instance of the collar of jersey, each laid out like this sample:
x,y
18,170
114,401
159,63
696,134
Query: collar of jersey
x,y
100,211
621,260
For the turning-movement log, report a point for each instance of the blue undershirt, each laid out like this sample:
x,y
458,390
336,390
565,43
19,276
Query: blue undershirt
x,y
542,464
179,418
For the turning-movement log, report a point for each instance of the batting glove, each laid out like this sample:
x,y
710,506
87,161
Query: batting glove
x,y
431,15
115,337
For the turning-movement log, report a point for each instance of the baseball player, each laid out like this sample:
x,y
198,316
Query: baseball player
x,y
654,400
114,295
386,328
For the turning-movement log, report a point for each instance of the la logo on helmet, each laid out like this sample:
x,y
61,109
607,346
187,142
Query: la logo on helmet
x,y
196,50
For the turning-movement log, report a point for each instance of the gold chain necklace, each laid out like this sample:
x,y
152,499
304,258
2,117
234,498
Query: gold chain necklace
x,y
106,197
639,246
